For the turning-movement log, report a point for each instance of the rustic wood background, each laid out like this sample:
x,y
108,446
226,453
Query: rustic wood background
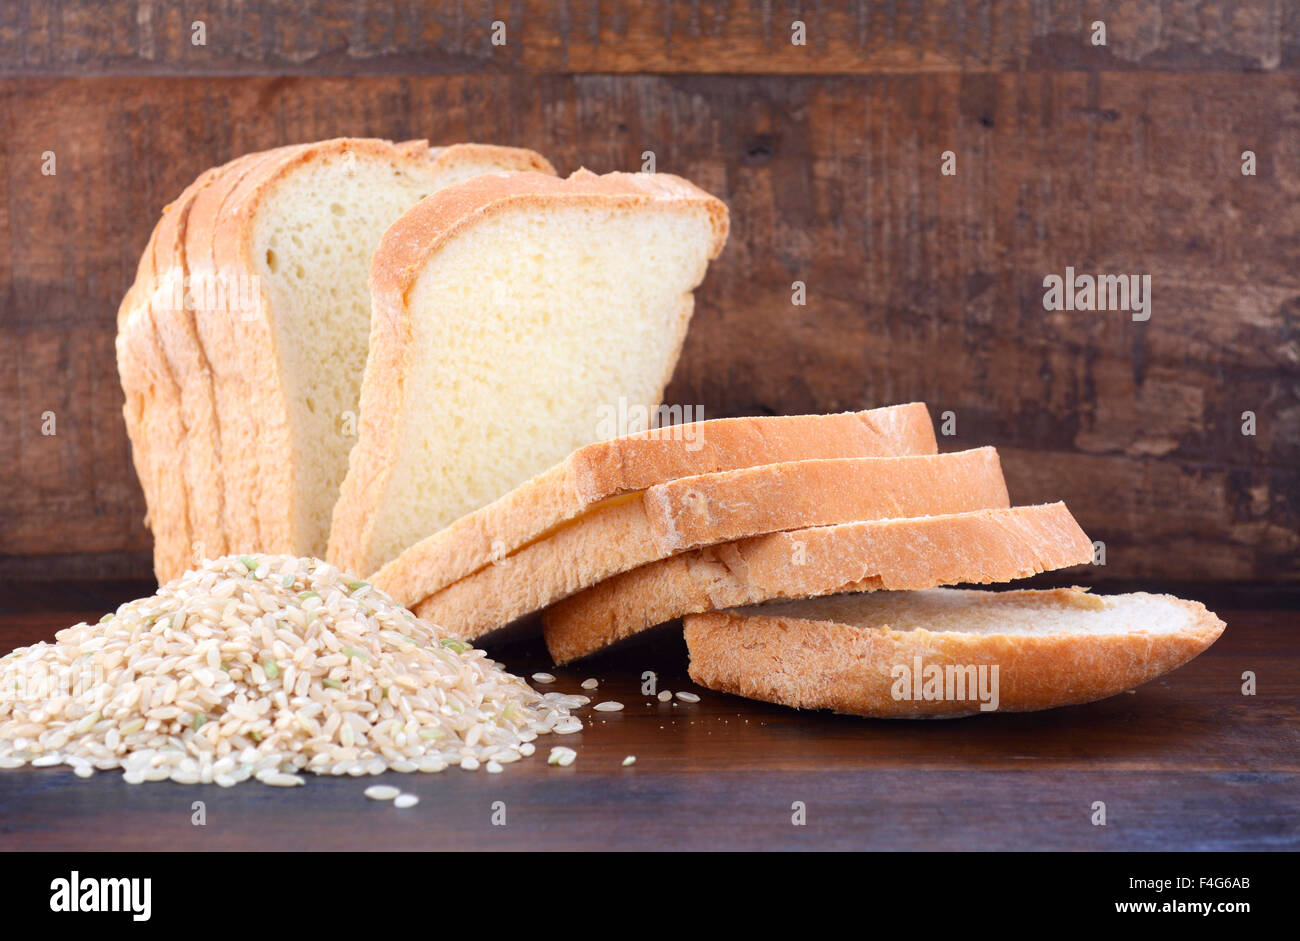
x,y
1122,159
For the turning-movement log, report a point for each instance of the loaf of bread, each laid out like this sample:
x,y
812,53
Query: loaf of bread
x,y
417,362
946,652
511,314
242,342
635,462
689,512
980,547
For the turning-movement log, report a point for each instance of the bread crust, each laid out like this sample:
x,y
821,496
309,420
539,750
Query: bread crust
x,y
980,547
406,248
199,451
693,511
810,664
639,461
208,496
149,409
250,411
142,385
152,342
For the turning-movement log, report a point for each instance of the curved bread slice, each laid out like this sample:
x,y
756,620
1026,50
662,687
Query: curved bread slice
x,y
150,407
981,547
637,462
207,498
210,305
510,314
156,356
199,451
690,512
946,652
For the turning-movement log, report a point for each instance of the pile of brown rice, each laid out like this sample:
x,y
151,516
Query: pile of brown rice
x,y
261,667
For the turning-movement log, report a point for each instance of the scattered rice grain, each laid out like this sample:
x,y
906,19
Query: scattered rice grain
x,y
561,756
282,780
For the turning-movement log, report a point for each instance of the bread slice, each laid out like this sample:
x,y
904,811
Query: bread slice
x,y
157,353
689,512
209,305
638,461
878,653
980,547
510,314
264,372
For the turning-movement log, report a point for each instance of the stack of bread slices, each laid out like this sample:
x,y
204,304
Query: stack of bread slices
x,y
401,358
807,556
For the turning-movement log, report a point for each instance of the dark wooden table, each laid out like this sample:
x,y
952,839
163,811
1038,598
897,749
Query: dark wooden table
x,y
1186,762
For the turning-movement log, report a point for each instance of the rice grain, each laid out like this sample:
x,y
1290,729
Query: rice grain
x,y
237,671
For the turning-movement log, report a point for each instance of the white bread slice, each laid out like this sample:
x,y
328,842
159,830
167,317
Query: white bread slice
x,y
689,512
509,312
638,461
260,442
859,653
980,547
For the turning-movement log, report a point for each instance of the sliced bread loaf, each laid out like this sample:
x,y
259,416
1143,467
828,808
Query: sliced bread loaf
x,y
980,547
510,313
635,462
946,652
689,512
269,259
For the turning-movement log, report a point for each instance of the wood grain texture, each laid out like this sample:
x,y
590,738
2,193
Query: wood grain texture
x,y
1184,763
920,286
642,810
96,37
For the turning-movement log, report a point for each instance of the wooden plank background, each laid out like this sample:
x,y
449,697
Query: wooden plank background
x,y
1122,159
